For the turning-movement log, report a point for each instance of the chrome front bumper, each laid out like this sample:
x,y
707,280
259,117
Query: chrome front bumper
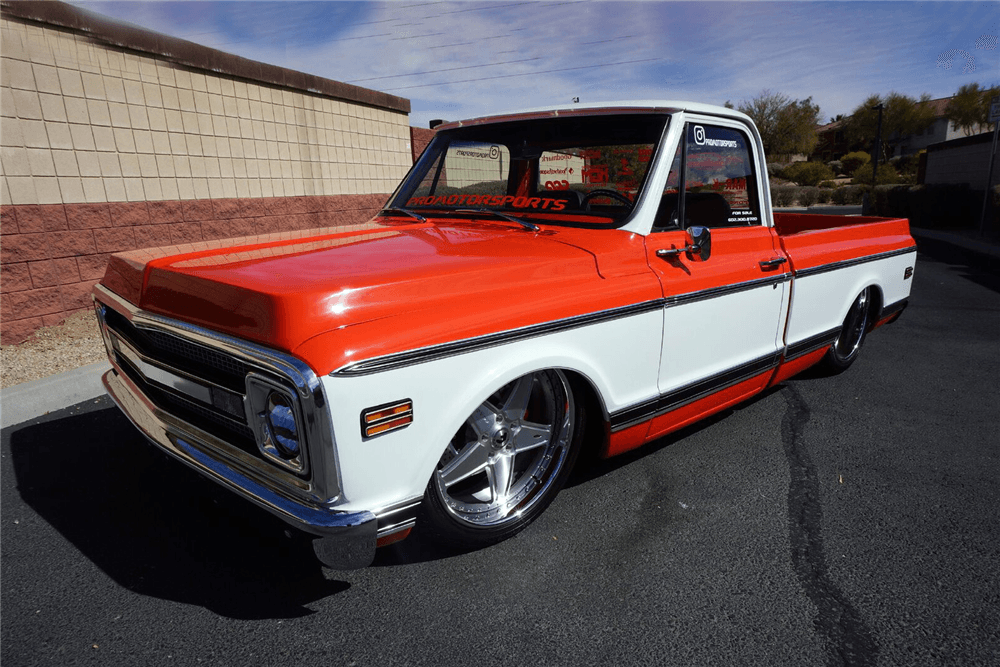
x,y
344,540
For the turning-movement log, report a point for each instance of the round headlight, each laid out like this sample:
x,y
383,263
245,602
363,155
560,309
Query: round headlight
x,y
281,420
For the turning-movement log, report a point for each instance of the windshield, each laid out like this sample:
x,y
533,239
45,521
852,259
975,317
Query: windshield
x,y
576,170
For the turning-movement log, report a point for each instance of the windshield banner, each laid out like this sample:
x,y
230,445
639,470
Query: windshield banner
x,y
492,201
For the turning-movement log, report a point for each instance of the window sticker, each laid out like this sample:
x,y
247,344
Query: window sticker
x,y
492,201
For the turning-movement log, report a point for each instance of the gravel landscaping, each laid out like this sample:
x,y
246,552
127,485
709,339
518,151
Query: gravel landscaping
x,y
50,350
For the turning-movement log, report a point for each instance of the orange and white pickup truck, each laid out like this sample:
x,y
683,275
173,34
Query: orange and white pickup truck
x,y
541,284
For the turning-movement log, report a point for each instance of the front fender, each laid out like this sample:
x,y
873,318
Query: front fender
x,y
619,358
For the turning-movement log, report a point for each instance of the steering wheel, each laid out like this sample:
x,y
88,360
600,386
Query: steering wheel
x,y
611,194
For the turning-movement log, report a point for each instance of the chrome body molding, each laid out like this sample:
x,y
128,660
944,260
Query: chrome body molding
x,y
811,344
347,539
896,308
690,393
398,517
715,292
423,355
833,266
315,480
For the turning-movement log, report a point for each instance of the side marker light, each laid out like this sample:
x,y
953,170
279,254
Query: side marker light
x,y
385,418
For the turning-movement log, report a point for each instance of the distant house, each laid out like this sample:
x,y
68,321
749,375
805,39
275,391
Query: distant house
x,y
940,130
833,143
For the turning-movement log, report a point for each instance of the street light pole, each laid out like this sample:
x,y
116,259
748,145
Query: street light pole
x,y
878,151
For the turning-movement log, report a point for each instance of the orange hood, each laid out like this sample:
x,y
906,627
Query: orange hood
x,y
418,284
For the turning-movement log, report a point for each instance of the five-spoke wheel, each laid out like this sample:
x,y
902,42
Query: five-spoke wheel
x,y
506,462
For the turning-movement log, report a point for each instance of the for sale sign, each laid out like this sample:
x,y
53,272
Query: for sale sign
x,y
995,109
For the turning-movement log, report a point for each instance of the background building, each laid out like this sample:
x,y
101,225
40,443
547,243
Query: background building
x,y
116,138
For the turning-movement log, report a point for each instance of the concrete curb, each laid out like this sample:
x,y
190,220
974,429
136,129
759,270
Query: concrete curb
x,y
36,398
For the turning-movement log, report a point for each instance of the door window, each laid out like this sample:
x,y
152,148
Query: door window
x,y
719,184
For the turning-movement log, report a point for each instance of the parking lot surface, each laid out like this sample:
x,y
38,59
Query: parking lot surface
x,y
847,520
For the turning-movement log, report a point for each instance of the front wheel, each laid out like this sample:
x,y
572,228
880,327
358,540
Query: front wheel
x,y
505,464
852,335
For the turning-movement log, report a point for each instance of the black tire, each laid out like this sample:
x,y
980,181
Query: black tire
x,y
506,463
856,325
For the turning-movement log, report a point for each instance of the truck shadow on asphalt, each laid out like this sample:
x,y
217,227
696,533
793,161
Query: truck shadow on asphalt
x,y
159,529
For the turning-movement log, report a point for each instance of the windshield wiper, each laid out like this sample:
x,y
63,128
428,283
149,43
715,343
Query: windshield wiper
x,y
393,209
524,223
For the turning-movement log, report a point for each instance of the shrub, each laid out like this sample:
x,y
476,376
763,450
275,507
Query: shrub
x,y
852,161
837,166
848,195
823,195
827,184
782,195
886,175
808,196
856,193
807,173
774,169
906,164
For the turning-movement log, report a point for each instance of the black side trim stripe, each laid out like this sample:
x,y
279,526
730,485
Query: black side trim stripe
x,y
804,273
894,308
725,290
422,355
412,357
812,344
690,393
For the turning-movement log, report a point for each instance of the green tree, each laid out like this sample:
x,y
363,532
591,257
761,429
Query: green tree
x,y
969,109
902,116
786,126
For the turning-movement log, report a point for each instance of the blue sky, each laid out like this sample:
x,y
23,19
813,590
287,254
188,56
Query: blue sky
x,y
461,59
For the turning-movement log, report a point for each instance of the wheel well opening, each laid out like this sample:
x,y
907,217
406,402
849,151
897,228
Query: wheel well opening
x,y
875,307
595,427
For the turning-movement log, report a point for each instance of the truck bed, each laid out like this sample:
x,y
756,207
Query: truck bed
x,y
812,240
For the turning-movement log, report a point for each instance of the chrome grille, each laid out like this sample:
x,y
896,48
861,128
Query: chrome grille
x,y
224,416
198,360
195,353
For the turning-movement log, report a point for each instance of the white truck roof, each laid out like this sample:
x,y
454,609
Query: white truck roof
x,y
652,106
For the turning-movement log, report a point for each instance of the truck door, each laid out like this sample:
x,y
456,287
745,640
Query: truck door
x,y
724,314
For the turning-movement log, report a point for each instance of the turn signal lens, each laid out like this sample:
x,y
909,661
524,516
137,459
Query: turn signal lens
x,y
384,418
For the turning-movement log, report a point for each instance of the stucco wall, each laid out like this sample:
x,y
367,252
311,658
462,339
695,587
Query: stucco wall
x,y
116,139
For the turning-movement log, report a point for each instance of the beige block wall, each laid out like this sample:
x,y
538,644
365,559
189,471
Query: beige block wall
x,y
85,123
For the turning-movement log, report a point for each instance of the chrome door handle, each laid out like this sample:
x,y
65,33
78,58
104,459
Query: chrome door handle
x,y
671,252
771,263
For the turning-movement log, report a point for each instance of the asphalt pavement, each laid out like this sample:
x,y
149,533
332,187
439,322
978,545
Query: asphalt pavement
x,y
846,520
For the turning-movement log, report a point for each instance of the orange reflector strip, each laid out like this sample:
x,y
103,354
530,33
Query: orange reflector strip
x,y
385,413
384,418
388,426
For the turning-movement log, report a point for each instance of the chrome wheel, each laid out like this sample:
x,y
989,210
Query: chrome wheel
x,y
852,334
507,460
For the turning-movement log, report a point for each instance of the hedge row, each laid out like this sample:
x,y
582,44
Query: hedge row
x,y
939,206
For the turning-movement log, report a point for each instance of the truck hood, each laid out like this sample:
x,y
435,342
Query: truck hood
x,y
281,291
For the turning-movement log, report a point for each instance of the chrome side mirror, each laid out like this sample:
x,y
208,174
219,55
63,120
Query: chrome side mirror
x,y
701,242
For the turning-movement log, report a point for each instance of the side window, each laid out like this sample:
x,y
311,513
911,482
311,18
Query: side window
x,y
666,215
720,185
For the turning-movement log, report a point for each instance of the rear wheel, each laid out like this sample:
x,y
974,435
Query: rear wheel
x,y
505,464
852,335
